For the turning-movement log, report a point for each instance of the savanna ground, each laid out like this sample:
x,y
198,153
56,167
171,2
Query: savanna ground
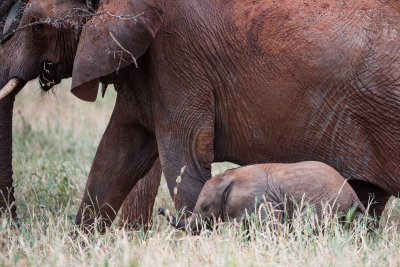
x,y
55,139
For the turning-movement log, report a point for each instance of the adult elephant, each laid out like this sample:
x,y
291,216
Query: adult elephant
x,y
241,81
138,206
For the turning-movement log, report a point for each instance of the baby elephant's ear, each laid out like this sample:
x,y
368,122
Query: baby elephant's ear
x,y
225,196
116,37
227,191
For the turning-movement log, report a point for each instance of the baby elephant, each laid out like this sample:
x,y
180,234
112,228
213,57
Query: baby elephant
x,y
230,194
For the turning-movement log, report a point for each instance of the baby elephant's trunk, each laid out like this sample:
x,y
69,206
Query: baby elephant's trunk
x,y
180,223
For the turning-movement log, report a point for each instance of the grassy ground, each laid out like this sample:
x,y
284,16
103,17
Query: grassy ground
x,y
55,139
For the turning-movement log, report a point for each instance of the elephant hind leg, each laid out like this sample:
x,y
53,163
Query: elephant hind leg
x,y
367,192
138,206
126,153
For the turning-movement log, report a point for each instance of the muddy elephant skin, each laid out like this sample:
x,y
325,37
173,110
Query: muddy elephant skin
x,y
284,187
242,81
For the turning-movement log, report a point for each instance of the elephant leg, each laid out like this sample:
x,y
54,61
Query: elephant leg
x,y
185,135
367,192
190,159
125,155
138,206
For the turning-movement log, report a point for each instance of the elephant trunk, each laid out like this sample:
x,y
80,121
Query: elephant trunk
x,y
6,116
9,88
182,224
6,187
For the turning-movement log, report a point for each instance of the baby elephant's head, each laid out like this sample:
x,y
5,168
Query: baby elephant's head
x,y
210,204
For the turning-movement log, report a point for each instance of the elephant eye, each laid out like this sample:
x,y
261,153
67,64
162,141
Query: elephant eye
x,y
205,208
37,27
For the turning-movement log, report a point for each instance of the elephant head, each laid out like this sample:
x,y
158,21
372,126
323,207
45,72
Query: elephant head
x,y
211,204
56,39
44,44
41,42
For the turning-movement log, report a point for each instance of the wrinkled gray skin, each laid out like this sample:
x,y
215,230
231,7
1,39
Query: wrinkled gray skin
x,y
284,187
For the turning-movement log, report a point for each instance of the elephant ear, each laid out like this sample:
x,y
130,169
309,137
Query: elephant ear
x,y
225,196
114,38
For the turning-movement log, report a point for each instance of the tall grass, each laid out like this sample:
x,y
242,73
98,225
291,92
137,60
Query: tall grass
x,y
55,139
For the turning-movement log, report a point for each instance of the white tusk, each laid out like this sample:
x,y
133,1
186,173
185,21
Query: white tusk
x,y
9,87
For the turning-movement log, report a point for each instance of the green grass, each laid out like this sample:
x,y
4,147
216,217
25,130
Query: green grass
x,y
55,139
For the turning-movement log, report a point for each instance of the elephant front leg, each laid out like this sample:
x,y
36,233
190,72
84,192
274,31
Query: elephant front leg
x,y
184,125
138,206
126,153
186,159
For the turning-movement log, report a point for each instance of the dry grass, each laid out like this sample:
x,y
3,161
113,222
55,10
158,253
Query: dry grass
x,y
54,143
